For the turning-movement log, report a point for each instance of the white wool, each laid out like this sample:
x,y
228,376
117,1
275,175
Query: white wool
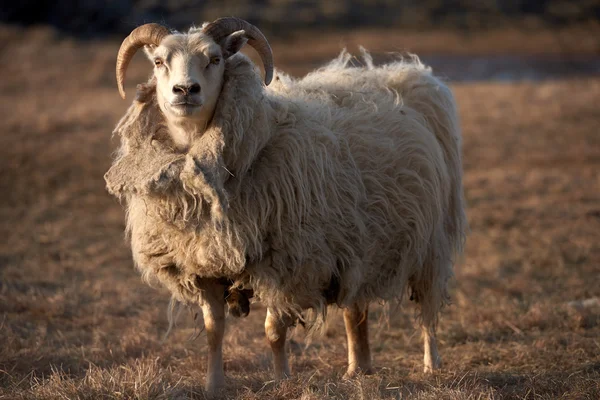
x,y
344,186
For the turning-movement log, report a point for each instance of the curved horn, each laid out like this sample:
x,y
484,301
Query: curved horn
x,y
223,27
140,36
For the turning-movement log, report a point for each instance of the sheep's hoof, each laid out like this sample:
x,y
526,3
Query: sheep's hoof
x,y
282,375
214,387
355,372
432,366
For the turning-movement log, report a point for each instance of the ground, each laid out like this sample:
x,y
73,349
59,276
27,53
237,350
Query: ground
x,y
76,321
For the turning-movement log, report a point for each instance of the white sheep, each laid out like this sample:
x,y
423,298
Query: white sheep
x,y
344,187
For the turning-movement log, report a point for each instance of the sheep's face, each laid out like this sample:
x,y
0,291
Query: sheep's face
x,y
189,68
189,73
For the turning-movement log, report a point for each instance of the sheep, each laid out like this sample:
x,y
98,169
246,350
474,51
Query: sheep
x,y
344,187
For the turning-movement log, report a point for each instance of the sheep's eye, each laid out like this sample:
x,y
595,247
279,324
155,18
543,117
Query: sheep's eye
x,y
215,60
158,62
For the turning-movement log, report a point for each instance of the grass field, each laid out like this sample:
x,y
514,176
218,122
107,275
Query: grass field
x,y
77,322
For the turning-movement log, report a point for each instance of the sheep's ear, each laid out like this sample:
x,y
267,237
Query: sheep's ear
x,y
149,51
233,43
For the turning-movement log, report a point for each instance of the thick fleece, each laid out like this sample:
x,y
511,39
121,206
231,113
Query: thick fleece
x,y
345,187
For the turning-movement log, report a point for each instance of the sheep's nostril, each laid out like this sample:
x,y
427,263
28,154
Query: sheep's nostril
x,y
179,89
194,89
186,89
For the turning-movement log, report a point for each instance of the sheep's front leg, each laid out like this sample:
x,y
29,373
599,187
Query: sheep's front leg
x,y
359,354
213,309
276,331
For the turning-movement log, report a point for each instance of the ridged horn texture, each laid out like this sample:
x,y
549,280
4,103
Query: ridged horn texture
x,y
223,27
140,36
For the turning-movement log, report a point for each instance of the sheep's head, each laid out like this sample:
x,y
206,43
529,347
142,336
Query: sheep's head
x,y
189,67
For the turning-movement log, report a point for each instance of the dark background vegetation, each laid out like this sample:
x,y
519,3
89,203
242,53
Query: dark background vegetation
x,y
91,17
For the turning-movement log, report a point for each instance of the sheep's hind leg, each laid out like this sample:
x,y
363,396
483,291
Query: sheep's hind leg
x,y
431,358
430,308
276,331
359,353
213,309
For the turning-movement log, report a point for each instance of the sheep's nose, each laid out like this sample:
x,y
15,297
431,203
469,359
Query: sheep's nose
x,y
186,89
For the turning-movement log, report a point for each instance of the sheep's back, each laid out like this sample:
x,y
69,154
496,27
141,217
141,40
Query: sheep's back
x,y
400,126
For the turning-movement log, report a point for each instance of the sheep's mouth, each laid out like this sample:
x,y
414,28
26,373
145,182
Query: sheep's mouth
x,y
185,107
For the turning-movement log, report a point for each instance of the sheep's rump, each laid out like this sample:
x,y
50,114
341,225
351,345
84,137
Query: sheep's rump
x,y
344,186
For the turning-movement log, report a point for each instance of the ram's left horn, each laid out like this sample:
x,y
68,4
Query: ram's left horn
x,y
222,27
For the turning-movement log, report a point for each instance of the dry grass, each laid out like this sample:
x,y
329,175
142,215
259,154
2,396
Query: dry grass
x,y
77,322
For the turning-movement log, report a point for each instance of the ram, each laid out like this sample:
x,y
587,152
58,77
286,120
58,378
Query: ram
x,y
344,187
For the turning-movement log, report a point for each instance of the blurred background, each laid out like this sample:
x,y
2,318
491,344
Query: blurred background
x,y
94,17
460,30
76,321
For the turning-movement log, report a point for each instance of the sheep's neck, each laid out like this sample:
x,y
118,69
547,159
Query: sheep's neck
x,y
183,131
